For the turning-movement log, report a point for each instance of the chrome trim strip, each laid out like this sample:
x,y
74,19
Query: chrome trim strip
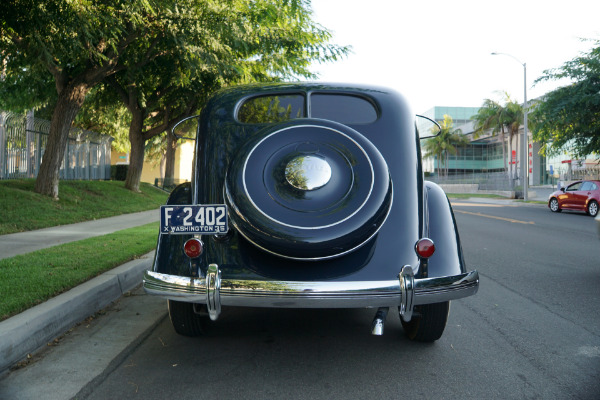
x,y
299,294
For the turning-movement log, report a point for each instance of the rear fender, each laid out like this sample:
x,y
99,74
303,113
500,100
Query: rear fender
x,y
440,226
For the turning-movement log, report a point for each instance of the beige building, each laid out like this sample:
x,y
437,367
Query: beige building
x,y
152,171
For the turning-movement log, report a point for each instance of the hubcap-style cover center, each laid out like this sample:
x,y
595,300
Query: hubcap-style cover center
x,y
308,172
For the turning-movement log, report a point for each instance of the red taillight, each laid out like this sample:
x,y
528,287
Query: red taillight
x,y
425,248
193,248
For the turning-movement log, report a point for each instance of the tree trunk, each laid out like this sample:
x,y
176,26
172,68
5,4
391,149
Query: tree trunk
x,y
517,170
510,156
136,157
69,102
444,164
170,159
503,141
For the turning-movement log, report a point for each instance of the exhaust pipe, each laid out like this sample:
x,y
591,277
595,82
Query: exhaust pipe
x,y
379,321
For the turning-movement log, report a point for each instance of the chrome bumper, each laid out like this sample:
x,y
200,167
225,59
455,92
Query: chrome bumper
x,y
405,292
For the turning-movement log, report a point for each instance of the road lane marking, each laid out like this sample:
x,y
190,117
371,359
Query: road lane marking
x,y
516,221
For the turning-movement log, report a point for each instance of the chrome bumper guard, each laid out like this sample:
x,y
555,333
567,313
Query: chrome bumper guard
x,y
405,293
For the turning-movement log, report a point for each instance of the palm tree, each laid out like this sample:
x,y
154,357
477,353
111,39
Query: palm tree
x,y
444,143
513,120
491,116
500,119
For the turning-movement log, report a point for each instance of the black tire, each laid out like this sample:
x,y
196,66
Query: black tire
x,y
428,322
185,321
554,205
592,208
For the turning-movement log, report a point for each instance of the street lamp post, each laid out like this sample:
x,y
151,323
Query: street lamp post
x,y
525,154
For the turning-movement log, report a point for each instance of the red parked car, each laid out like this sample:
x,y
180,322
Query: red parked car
x,y
579,196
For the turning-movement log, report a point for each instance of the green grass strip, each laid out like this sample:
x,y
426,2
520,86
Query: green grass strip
x,y
30,279
21,209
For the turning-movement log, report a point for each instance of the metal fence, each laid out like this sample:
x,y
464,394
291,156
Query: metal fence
x,y
499,181
486,181
578,173
23,142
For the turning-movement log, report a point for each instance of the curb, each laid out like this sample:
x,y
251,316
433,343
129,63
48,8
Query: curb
x,y
32,329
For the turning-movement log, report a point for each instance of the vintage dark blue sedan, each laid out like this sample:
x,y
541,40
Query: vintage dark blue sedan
x,y
309,196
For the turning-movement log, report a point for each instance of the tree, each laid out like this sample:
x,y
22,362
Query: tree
x,y
569,117
209,44
72,46
500,118
159,57
490,116
100,113
513,119
447,142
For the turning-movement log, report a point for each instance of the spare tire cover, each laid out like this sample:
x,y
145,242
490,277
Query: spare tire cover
x,y
309,190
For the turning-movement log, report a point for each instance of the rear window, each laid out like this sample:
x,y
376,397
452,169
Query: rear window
x,y
342,108
269,109
587,186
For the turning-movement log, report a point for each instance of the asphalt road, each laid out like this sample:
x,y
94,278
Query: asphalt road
x,y
532,331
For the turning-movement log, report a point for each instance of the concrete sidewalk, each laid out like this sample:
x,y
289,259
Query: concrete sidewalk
x,y
72,366
29,331
540,193
26,242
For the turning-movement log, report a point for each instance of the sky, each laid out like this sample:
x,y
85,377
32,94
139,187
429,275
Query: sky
x,y
438,53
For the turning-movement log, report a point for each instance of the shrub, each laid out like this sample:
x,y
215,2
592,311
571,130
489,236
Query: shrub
x,y
118,172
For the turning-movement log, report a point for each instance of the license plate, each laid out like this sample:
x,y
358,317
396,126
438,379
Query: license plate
x,y
193,219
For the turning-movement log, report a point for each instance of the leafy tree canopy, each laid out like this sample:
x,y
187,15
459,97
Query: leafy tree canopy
x,y
496,117
70,46
161,57
500,118
217,43
568,118
102,114
47,44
